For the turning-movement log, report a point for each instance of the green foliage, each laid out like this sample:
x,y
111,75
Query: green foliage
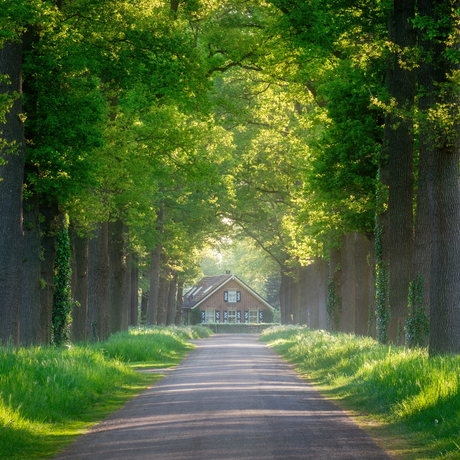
x,y
43,388
417,326
237,328
243,258
195,316
402,388
48,393
62,297
152,344
267,316
382,296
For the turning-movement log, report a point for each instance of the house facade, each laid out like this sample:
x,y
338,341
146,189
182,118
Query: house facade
x,y
225,299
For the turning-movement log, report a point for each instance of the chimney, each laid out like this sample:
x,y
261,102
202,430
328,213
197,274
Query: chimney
x,y
227,272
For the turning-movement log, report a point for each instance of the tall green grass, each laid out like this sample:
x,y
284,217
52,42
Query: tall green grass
x,y
48,394
404,389
152,344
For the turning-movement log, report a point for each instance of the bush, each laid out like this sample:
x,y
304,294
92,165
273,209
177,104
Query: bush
x,y
237,328
267,316
195,316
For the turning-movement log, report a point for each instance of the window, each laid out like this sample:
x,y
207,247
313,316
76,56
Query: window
x,y
253,316
231,296
210,316
232,316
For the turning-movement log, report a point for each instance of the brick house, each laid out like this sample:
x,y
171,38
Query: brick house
x,y
225,299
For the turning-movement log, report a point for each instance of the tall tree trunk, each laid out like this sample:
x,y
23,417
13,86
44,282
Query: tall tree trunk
x,y
11,175
171,308
295,298
303,294
152,313
347,321
335,289
163,297
98,284
134,292
179,301
144,305
30,332
287,300
125,321
283,306
443,187
155,273
79,246
429,50
362,273
323,274
310,287
53,221
400,159
118,268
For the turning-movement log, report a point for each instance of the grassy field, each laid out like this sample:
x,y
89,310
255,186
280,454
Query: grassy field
x,y
408,402
50,395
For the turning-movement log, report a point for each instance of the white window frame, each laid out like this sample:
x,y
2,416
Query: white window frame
x,y
253,314
231,315
231,297
209,316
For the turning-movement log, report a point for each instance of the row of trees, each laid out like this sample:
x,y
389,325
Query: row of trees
x,y
108,137
156,128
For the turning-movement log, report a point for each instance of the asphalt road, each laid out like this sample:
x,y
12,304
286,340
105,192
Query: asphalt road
x,y
231,398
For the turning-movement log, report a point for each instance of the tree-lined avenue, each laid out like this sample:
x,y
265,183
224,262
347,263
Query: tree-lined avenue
x,y
231,398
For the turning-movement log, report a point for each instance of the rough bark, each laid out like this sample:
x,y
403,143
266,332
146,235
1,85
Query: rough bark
x,y
152,313
426,100
303,294
79,246
53,221
11,175
125,320
134,292
312,297
179,302
171,307
335,273
442,187
323,274
98,284
445,286
155,273
287,301
117,264
362,273
295,298
347,321
144,305
163,297
401,180
30,332
283,306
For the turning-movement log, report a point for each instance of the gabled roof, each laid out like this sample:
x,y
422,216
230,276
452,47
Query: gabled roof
x,y
210,284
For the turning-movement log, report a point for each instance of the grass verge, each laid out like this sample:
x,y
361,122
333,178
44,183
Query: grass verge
x,y
49,395
408,402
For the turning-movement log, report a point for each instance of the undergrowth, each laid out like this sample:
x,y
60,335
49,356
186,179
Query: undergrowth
x,y
403,388
49,394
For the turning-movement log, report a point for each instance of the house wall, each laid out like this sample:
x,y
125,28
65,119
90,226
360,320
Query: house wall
x,y
216,302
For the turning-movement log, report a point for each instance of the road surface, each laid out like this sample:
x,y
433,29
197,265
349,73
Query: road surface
x,y
232,398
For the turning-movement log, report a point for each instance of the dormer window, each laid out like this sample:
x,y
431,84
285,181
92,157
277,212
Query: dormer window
x,y
231,296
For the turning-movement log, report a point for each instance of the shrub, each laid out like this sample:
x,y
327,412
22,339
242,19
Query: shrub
x,y
267,316
195,316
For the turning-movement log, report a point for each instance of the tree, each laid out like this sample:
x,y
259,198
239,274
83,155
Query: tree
x,y
11,179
